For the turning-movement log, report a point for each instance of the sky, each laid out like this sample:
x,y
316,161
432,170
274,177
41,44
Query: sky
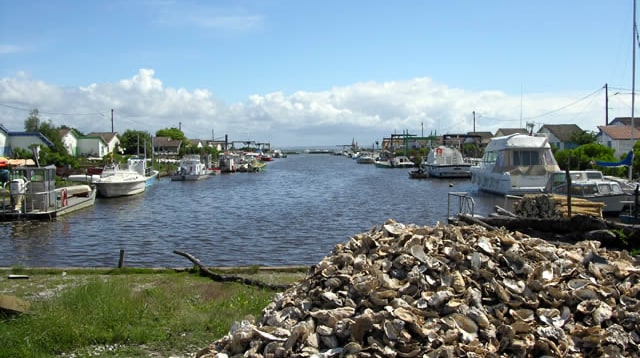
x,y
315,73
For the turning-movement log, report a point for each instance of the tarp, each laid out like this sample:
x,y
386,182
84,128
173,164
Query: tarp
x,y
20,162
623,163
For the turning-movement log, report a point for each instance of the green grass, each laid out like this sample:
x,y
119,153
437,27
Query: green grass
x,y
133,314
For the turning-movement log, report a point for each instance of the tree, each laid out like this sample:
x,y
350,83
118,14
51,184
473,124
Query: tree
x,y
585,156
32,123
133,142
583,137
173,133
49,130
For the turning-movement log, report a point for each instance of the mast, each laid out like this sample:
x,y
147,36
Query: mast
x,y
633,89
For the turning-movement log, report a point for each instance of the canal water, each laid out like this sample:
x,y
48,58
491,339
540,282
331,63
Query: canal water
x,y
292,213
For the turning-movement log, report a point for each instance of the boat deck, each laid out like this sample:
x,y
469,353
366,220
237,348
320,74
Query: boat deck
x,y
50,211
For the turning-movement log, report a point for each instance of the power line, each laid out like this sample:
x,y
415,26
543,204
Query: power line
x,y
53,113
566,106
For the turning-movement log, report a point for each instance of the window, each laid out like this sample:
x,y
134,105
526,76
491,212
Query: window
x,y
526,157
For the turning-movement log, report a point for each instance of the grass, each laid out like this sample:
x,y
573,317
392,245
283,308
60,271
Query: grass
x,y
118,313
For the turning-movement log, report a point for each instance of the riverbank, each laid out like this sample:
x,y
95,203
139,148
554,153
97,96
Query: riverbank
x,y
73,312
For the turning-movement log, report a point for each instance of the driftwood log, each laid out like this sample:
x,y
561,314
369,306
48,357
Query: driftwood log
x,y
204,271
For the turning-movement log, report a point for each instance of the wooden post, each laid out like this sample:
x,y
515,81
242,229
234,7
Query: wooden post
x,y
121,261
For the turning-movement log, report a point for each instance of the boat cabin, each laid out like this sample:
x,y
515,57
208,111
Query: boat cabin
x,y
31,188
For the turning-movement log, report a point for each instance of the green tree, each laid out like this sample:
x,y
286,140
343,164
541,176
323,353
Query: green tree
x,y
133,142
585,156
173,133
583,137
32,123
49,130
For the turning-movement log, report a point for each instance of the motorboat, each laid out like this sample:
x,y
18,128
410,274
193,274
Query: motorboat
x,y
418,174
31,194
191,168
593,186
399,161
138,164
516,164
446,162
365,158
132,179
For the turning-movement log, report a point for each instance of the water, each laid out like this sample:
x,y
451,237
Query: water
x,y
293,213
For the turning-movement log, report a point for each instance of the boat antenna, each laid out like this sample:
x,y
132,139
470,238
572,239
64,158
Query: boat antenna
x,y
633,89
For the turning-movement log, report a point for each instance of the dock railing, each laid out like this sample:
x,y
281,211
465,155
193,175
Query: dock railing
x,y
461,202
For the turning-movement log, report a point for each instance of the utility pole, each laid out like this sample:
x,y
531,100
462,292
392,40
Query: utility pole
x,y
633,90
111,120
474,122
606,104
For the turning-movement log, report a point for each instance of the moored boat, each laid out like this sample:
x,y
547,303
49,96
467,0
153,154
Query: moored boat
x,y
514,165
591,185
446,162
31,194
134,178
418,174
365,158
191,168
400,161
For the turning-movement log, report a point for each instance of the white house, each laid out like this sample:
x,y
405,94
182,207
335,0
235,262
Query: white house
x,y
92,146
618,137
70,138
4,134
560,135
110,138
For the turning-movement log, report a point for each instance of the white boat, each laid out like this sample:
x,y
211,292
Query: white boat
x,y
446,162
134,178
138,164
593,186
516,164
32,195
191,168
365,158
400,161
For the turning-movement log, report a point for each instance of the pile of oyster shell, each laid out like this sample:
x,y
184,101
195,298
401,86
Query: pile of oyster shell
x,y
451,291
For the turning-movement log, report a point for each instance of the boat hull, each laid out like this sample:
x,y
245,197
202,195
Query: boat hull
x,y
449,171
189,177
113,189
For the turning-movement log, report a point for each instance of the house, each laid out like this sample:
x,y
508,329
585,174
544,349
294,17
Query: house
x,y
625,121
93,146
165,146
509,131
620,138
111,138
219,145
70,138
197,144
560,135
4,140
25,140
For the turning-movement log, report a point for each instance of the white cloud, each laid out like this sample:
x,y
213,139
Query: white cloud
x,y
11,49
366,111
184,13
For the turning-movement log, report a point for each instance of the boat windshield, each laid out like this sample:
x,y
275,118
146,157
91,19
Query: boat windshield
x,y
526,157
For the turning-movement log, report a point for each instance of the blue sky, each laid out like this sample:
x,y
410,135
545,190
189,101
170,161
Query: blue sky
x,y
314,72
